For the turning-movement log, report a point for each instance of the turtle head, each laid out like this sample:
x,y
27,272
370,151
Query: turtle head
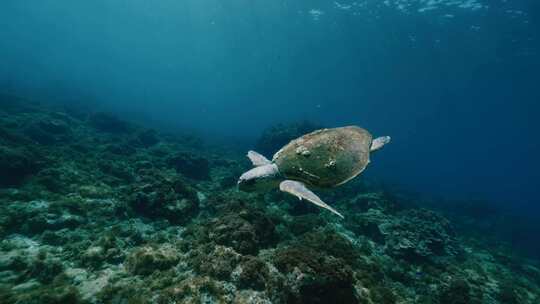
x,y
260,178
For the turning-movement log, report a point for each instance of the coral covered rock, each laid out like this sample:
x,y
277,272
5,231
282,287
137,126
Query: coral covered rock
x,y
217,261
15,165
44,269
331,243
105,122
508,294
147,138
148,259
367,224
160,196
55,294
419,235
195,290
54,126
93,256
190,165
313,277
120,149
458,292
305,223
252,273
49,131
246,231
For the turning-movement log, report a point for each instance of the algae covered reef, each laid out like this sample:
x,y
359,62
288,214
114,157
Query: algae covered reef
x,y
94,209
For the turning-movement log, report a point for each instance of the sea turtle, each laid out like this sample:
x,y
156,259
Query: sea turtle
x,y
323,158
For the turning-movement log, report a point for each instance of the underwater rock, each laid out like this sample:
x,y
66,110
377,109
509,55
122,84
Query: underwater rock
x,y
15,165
49,131
195,290
37,294
305,223
54,179
120,149
108,248
116,169
216,261
246,231
367,224
99,191
420,235
458,292
223,202
329,242
9,137
251,273
313,277
228,181
381,201
51,221
55,221
250,297
235,232
54,126
225,173
20,266
64,177
108,123
93,256
44,269
382,295
143,165
147,138
56,238
275,137
145,260
37,135
190,165
159,196
508,294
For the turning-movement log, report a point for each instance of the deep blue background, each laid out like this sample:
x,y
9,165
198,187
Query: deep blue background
x,y
459,94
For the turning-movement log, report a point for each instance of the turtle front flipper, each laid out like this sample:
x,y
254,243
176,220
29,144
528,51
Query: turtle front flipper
x,y
379,142
264,177
299,190
257,159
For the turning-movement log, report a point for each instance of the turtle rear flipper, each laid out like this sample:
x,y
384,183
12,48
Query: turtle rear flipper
x,y
257,159
299,190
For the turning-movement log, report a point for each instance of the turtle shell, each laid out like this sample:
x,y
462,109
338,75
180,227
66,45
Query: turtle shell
x,y
326,157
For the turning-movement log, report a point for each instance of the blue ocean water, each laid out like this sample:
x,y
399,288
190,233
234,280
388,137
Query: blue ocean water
x,y
455,83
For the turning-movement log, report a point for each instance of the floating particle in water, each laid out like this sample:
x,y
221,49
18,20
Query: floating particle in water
x,y
341,6
316,14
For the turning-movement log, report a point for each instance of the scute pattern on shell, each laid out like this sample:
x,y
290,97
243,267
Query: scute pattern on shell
x,y
326,157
